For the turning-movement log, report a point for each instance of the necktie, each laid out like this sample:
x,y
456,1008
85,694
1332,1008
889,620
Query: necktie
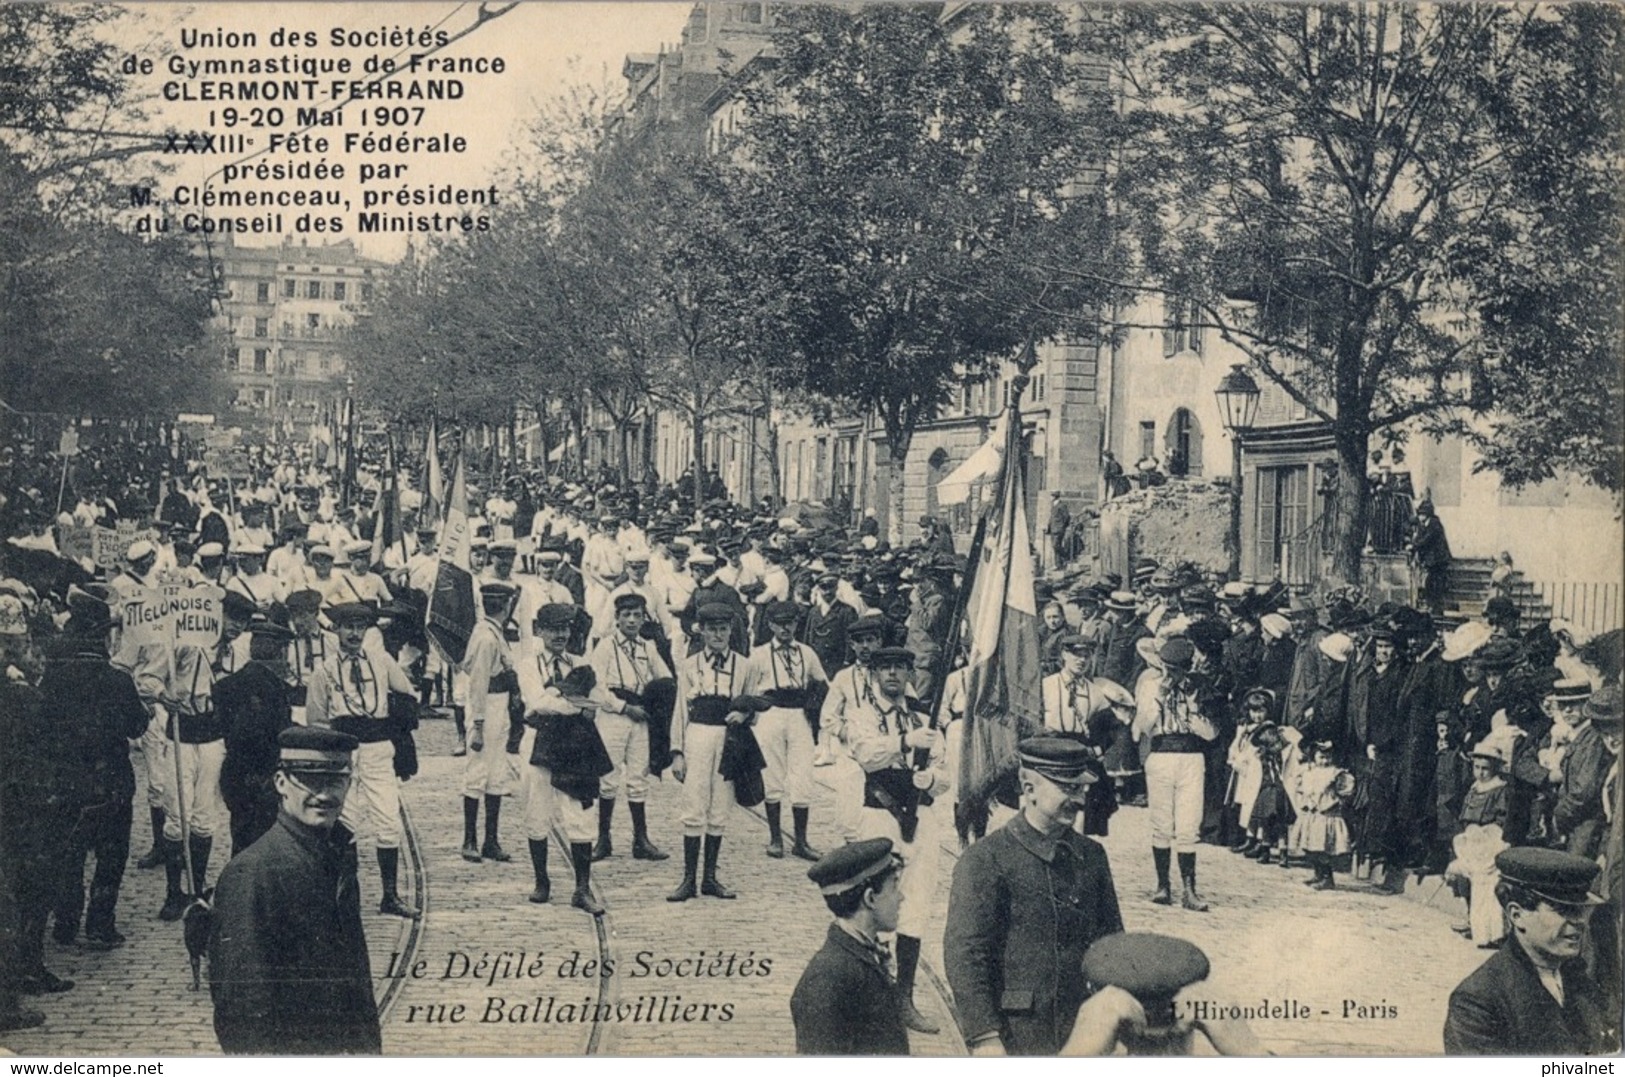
x,y
719,662
558,670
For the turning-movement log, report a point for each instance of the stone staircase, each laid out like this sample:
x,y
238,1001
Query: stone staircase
x,y
1469,589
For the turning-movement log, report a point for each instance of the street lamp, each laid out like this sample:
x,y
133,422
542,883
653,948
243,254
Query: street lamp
x,y
1237,395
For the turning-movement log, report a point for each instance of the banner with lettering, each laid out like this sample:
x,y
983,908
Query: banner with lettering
x,y
197,615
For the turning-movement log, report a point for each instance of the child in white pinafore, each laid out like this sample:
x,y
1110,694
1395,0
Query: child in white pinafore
x,y
1482,815
1320,832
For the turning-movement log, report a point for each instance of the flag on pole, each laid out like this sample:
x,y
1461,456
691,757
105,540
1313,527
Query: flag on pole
x,y
386,526
1004,700
452,611
434,483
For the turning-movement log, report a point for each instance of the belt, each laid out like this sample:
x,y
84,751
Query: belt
x,y
792,698
709,710
1177,742
365,728
197,728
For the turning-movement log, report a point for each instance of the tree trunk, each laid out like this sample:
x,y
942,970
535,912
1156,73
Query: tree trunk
x,y
699,462
895,524
773,462
1348,546
542,436
623,430
648,442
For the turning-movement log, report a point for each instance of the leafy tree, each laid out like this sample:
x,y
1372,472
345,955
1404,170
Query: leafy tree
x,y
915,181
1325,182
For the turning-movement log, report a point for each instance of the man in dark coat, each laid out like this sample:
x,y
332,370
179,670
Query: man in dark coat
x,y
288,963
254,705
94,710
1122,628
846,1002
826,625
1533,997
1027,901
1431,549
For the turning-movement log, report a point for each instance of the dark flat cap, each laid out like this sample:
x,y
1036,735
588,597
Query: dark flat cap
x,y
315,750
780,612
1177,652
1061,759
1557,876
852,865
892,656
868,624
1152,968
498,589
1604,708
713,613
237,605
268,629
305,601
1076,642
352,613
556,615
630,600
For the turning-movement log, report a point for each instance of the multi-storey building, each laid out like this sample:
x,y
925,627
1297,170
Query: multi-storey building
x,y
283,311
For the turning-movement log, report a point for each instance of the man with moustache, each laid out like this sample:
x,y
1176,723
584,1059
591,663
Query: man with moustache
x,y
1027,902
288,963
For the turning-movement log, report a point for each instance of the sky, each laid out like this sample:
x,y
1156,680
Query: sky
x,y
546,47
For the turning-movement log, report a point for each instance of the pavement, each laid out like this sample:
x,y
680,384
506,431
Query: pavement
x,y
1348,971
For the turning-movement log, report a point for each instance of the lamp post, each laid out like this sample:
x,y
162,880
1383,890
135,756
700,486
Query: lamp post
x,y
1237,395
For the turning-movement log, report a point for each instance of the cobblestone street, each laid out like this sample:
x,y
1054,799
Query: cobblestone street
x,y
1370,973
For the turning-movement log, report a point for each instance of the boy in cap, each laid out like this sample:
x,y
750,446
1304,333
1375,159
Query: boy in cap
x,y
349,692
1533,996
634,720
904,760
252,581
488,666
789,675
561,743
1026,904
708,685
1135,977
289,970
846,1002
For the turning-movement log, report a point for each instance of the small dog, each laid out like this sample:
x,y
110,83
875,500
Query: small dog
x,y
197,923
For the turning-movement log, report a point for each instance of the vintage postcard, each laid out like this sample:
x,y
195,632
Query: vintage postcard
x,y
739,529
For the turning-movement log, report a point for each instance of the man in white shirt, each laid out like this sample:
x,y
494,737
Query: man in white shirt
x,y
251,580
559,734
708,684
638,695
787,674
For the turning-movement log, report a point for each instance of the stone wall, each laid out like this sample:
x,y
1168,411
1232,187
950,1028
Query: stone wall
x,y
1184,520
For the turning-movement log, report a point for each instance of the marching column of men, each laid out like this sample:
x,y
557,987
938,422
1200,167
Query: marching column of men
x,y
580,685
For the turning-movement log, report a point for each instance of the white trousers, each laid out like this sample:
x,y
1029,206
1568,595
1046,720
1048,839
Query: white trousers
x,y
846,778
921,858
373,807
707,798
546,807
787,745
627,742
1173,783
491,771
200,781
155,757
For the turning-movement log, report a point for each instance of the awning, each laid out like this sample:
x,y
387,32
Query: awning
x,y
981,464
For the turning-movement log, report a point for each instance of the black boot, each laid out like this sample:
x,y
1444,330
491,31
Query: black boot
x,y
775,831
471,827
1187,874
581,860
691,869
492,849
201,848
174,887
908,959
1161,858
642,847
154,856
801,848
710,885
538,864
606,819
389,864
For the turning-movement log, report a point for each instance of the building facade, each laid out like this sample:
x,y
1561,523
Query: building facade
x,y
283,314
